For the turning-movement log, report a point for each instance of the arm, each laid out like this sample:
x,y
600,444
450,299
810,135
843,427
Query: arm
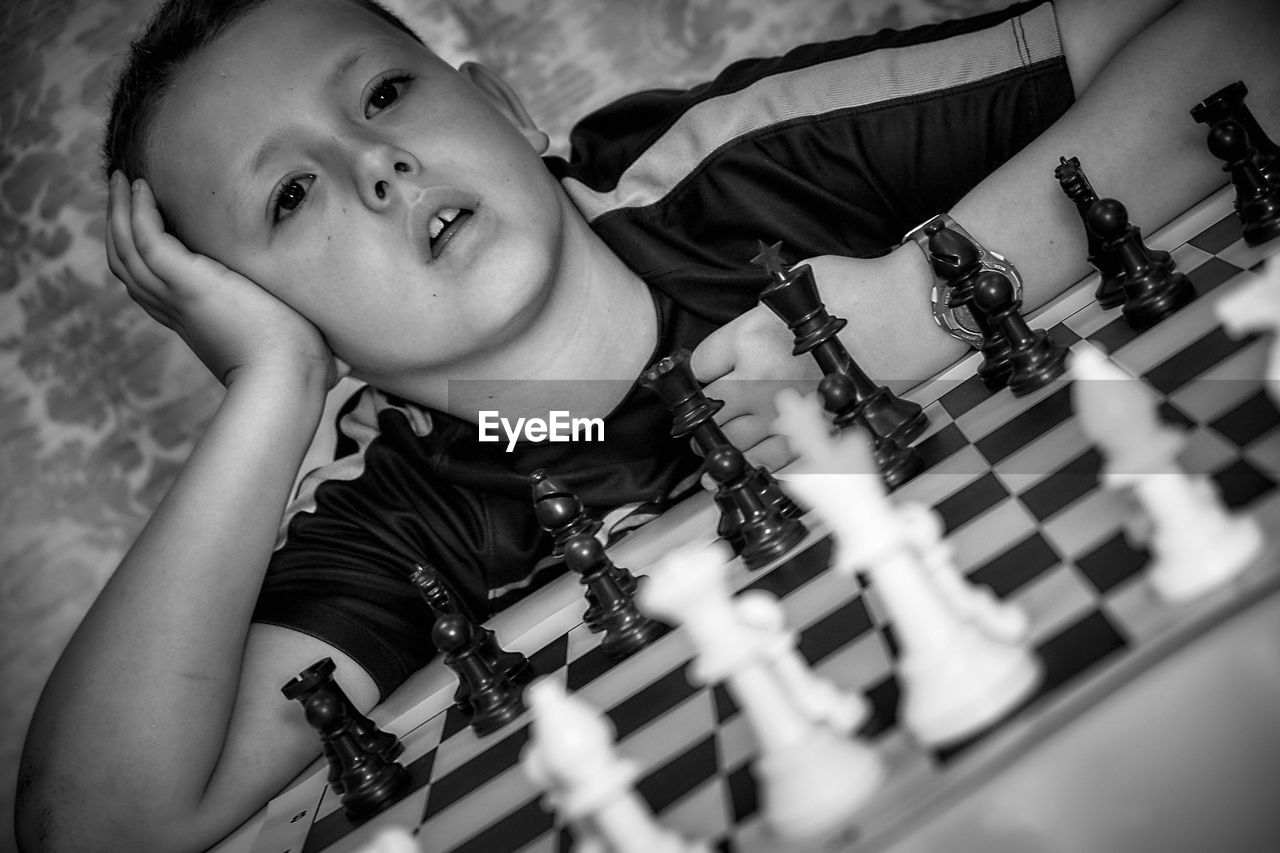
x,y
1137,69
162,725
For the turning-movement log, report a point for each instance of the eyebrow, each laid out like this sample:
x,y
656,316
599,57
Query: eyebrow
x,y
273,142
269,146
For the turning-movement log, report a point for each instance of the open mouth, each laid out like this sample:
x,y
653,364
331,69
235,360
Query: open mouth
x,y
444,225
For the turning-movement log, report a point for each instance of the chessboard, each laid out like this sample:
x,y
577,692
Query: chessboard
x,y
1017,486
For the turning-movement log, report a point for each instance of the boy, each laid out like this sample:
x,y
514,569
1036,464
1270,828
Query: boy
x,y
347,203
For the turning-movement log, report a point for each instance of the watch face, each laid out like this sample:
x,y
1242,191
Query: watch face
x,y
958,321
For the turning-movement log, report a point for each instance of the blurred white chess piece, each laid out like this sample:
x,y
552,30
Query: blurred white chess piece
x,y
812,776
963,664
1255,307
570,754
1000,620
1196,544
390,839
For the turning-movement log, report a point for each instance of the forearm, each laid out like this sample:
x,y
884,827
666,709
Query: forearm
x,y
1132,131
140,701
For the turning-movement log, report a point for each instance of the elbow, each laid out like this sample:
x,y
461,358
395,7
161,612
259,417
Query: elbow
x,y
51,816
35,815
30,818
38,819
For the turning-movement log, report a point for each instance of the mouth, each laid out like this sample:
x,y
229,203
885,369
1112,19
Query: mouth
x,y
436,216
444,225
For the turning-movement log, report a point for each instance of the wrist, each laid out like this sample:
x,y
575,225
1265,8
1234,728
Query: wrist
x,y
952,256
909,267
302,372
300,384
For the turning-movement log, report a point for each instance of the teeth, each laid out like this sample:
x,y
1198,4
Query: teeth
x,y
441,220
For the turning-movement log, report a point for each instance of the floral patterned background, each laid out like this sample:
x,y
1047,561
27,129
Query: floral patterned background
x,y
99,405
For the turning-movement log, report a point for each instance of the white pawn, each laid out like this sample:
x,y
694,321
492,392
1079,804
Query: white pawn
x,y
957,678
571,754
817,698
811,777
1000,620
1255,307
1196,544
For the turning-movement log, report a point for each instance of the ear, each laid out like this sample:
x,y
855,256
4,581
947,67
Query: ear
x,y
502,96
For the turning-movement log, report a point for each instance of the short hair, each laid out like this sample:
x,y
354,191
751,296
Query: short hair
x,y
178,30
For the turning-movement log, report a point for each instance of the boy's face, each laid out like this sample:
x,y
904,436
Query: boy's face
x,y
317,150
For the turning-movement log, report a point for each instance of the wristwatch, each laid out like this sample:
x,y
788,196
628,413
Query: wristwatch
x,y
958,320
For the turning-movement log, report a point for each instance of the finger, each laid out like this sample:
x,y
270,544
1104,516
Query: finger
x,y
118,224
772,453
120,230
713,358
733,393
138,294
125,235
746,432
164,256
147,296
113,255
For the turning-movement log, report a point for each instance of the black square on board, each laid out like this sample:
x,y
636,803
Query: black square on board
x,y
1064,486
1241,484
965,396
1219,235
971,501
1250,420
1112,562
1017,566
1025,427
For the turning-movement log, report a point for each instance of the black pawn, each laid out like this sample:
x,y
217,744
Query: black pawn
x,y
693,415
620,578
493,700
511,665
1228,103
955,260
1152,290
793,296
898,463
1110,291
610,609
1257,199
369,782
318,679
756,531
1037,359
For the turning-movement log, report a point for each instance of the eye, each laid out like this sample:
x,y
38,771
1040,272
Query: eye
x,y
289,196
384,92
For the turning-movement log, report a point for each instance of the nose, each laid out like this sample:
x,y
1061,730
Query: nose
x,y
380,170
